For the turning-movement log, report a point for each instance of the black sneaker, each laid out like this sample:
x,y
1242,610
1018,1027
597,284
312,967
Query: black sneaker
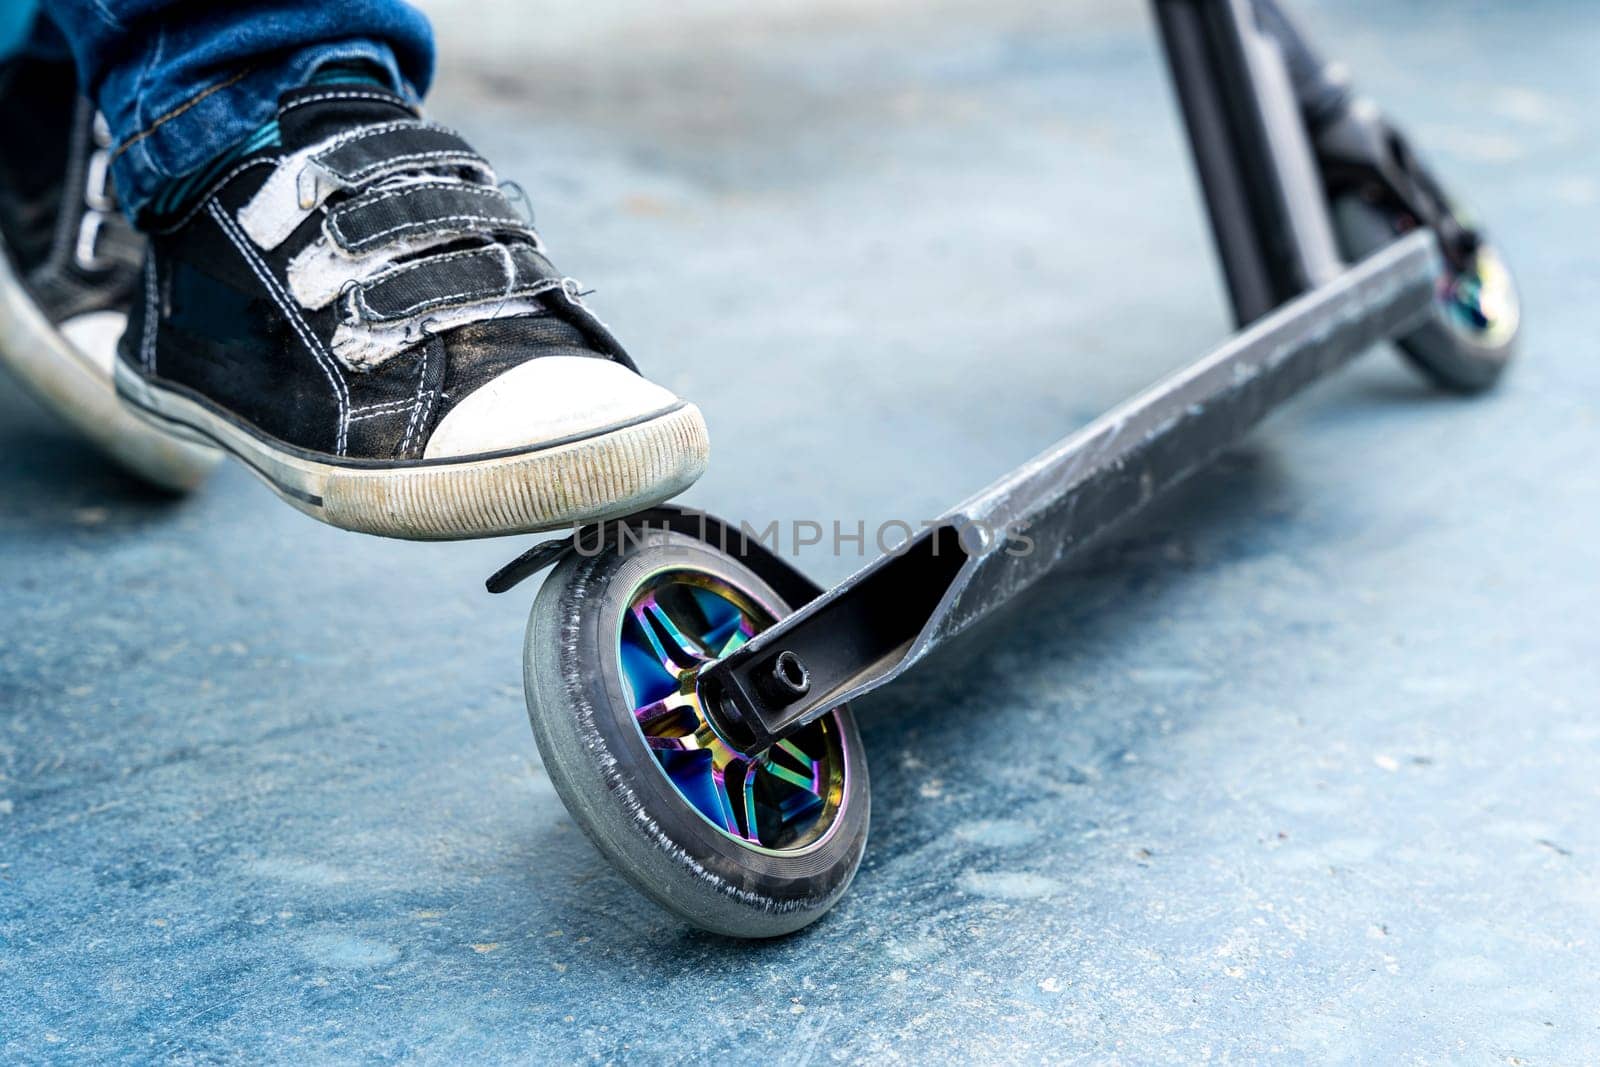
x,y
359,314
69,268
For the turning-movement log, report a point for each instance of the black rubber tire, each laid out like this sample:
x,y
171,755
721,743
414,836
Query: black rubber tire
x,y
611,784
1448,356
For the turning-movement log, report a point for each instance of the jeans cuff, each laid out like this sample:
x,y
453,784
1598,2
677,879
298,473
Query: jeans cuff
x,y
196,131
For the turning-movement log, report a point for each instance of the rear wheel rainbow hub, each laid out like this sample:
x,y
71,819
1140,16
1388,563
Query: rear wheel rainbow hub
x,y
1481,301
784,800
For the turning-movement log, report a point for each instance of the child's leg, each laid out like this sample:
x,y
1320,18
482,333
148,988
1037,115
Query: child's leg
x,y
338,292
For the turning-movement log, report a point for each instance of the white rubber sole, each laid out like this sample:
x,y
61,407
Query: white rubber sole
x,y
70,383
600,475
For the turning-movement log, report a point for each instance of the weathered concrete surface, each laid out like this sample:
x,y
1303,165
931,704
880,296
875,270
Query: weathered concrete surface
x,y
1306,771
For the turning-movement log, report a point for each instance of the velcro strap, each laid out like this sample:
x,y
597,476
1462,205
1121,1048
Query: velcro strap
x,y
372,152
456,278
375,219
303,181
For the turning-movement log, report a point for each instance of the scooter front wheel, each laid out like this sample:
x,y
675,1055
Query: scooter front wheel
x,y
746,847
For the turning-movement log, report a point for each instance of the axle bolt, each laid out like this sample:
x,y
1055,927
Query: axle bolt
x,y
785,680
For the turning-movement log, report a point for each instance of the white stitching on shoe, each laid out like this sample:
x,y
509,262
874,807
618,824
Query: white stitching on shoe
x,y
361,133
425,224
427,409
276,209
371,410
471,296
406,268
396,162
324,360
422,377
368,346
152,309
320,97
218,184
279,206
507,290
321,271
364,132
308,279
336,216
380,414
407,190
273,211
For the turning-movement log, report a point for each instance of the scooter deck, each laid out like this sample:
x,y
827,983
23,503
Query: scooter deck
x,y
876,624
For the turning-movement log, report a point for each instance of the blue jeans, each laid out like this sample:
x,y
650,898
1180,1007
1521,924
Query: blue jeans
x,y
182,81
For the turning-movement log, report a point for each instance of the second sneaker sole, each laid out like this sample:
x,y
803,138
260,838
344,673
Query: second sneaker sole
x,y
76,385
604,473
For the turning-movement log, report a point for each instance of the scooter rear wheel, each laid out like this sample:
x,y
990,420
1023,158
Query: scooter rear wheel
x,y
1477,314
752,847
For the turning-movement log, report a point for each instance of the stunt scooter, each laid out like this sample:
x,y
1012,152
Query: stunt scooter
x,y
689,690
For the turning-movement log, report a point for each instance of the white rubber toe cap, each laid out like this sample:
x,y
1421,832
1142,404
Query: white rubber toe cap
x,y
544,401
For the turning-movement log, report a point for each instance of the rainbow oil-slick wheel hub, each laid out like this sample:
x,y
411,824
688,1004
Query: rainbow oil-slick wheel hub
x,y
1481,301
786,799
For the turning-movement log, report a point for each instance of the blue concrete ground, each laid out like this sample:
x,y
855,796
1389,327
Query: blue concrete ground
x,y
1307,769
